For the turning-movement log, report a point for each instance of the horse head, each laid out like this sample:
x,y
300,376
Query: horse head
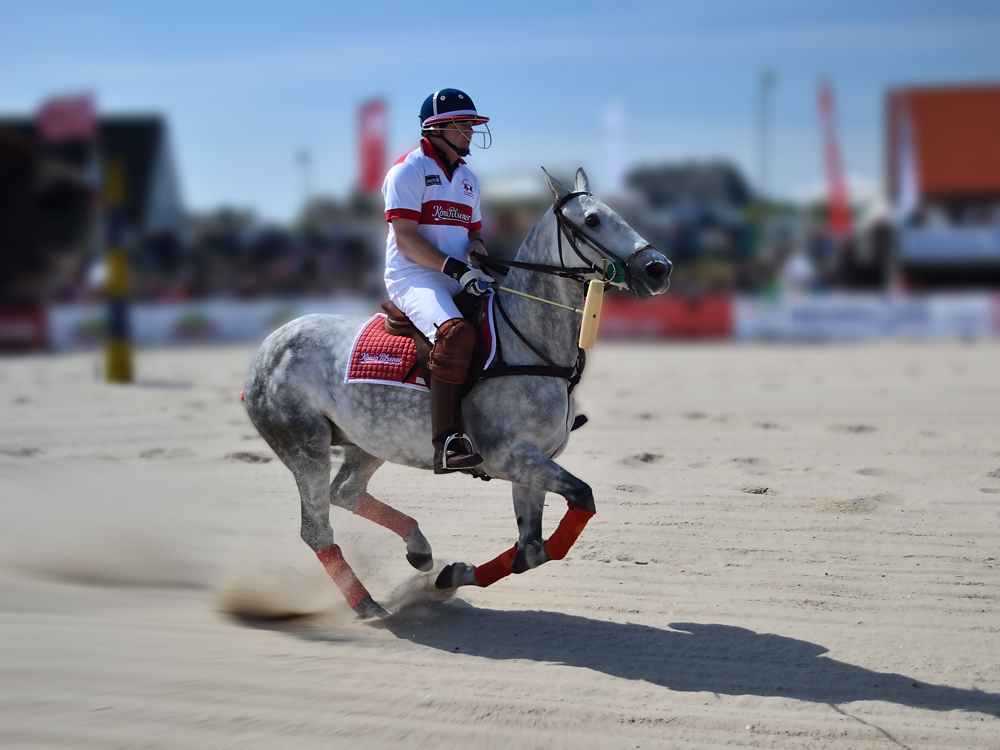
x,y
601,238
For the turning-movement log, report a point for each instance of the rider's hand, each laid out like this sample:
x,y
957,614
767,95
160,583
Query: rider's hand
x,y
472,279
477,245
475,281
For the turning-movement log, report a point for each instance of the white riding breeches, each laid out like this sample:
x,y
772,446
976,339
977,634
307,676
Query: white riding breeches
x,y
426,299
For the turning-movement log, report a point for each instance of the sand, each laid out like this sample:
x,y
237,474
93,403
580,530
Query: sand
x,y
795,546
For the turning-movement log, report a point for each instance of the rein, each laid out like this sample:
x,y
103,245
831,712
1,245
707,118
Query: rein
x,y
549,369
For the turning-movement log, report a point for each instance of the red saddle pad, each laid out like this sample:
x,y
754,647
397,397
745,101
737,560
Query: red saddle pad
x,y
378,357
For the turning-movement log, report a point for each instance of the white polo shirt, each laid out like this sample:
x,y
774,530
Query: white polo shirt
x,y
417,187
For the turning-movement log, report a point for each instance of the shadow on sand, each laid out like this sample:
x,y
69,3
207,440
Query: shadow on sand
x,y
689,657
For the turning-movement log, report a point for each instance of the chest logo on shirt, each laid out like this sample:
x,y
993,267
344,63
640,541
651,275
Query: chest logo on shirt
x,y
432,179
467,187
450,213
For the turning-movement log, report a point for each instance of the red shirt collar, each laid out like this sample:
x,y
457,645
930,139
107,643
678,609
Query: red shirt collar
x,y
428,150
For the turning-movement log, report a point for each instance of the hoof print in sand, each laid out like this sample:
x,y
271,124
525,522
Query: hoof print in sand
x,y
755,490
854,429
866,504
879,473
756,466
20,452
174,453
648,458
248,457
645,459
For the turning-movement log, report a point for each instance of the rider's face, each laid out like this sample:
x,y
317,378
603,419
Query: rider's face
x,y
458,133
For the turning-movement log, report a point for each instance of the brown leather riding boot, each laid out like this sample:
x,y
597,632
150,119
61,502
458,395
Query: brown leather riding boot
x,y
452,449
449,364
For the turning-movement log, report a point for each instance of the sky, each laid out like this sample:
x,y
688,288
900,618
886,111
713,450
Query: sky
x,y
247,86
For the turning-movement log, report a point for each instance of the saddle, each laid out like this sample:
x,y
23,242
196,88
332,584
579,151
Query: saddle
x,y
472,309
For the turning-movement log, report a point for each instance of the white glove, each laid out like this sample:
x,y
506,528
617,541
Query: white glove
x,y
475,281
472,279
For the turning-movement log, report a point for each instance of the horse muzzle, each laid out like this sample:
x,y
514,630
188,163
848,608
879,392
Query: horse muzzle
x,y
649,271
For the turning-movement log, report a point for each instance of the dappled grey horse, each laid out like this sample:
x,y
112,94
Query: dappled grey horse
x,y
298,400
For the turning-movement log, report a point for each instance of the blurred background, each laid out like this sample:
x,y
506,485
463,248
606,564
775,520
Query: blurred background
x,y
200,173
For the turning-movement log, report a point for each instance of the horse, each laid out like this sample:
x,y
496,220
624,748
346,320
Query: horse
x,y
298,400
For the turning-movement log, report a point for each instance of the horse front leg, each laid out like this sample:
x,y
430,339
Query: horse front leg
x,y
536,474
529,505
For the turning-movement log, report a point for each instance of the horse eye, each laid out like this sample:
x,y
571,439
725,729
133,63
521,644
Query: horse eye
x,y
592,220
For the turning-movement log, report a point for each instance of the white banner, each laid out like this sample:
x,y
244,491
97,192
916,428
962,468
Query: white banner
x,y
839,317
834,317
210,321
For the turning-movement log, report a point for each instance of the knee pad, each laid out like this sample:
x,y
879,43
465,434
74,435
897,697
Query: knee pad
x,y
452,352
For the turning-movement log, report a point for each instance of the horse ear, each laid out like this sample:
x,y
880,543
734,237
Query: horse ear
x,y
559,190
582,183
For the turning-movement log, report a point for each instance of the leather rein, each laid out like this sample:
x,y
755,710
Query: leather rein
x,y
572,233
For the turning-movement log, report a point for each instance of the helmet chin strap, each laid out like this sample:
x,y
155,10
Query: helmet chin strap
x,y
460,150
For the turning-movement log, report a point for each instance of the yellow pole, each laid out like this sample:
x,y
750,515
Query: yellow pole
x,y
118,344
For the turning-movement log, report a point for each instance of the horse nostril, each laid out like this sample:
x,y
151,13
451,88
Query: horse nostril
x,y
658,270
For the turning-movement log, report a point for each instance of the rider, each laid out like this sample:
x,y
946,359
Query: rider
x,y
432,206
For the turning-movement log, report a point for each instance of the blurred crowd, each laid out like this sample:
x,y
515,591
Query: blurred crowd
x,y
722,238
333,248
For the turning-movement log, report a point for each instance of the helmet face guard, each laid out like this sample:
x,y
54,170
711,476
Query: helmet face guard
x,y
481,135
455,107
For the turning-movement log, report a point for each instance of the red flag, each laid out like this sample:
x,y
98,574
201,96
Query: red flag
x,y
67,118
839,216
371,144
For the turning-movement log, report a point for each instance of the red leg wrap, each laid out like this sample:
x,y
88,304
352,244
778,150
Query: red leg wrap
x,y
342,575
495,569
567,532
384,515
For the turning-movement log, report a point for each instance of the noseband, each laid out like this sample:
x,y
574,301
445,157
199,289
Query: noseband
x,y
574,233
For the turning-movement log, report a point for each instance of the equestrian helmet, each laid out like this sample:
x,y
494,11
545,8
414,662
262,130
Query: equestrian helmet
x,y
449,105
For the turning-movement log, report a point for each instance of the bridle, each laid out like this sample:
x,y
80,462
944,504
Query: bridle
x,y
613,270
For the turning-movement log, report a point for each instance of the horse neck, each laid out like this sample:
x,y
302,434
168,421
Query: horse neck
x,y
550,329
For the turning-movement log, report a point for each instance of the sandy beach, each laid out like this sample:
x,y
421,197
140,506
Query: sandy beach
x,y
795,547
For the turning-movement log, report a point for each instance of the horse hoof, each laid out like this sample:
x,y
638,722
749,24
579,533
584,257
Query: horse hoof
x,y
369,609
420,560
418,550
455,575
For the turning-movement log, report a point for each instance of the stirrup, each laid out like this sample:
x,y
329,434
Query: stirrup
x,y
444,453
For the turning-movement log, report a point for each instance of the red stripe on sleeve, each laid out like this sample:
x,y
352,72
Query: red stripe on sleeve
x,y
402,213
476,227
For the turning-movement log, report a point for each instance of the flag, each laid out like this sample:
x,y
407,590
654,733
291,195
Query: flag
x,y
67,118
907,182
614,146
371,144
839,212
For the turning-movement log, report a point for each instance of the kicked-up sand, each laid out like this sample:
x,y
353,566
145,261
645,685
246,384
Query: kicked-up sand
x,y
795,547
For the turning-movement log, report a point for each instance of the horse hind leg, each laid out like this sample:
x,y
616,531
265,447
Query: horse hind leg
x,y
306,453
349,491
